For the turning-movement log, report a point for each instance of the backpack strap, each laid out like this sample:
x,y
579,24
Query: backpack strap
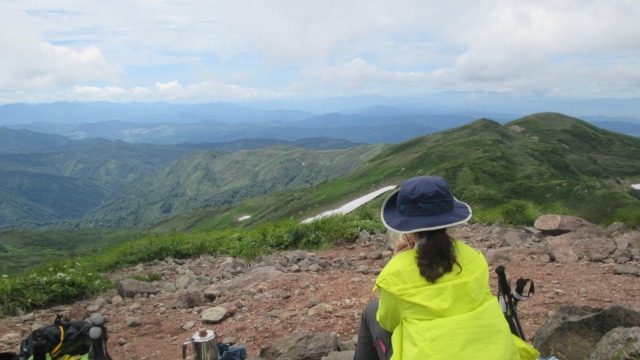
x,y
518,291
56,350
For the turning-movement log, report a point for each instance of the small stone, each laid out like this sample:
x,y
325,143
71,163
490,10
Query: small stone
x,y
214,314
189,325
133,321
117,300
93,308
315,268
559,292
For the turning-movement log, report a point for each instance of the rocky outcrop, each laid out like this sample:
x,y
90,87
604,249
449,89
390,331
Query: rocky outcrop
x,y
563,239
561,224
621,342
131,288
307,346
577,332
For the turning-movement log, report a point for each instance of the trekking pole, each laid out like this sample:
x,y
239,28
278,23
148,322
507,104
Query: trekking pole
x,y
98,335
39,346
508,303
97,345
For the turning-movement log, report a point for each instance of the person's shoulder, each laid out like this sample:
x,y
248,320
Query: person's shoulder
x,y
402,258
400,263
467,253
462,246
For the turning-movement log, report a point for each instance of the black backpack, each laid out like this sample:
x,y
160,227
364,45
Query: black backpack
x,y
67,338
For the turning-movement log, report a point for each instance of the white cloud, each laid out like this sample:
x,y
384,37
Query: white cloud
x,y
29,62
170,91
185,51
358,74
172,86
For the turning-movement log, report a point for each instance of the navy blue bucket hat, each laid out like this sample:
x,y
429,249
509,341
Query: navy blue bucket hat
x,y
423,203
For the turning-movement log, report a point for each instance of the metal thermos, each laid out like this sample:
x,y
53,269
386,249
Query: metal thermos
x,y
204,346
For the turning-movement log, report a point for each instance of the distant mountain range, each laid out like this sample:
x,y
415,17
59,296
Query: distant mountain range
x,y
163,123
547,161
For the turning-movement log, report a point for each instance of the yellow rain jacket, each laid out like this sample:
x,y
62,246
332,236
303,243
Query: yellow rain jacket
x,y
456,317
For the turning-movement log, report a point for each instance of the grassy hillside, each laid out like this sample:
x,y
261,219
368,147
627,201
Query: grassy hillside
x,y
211,179
22,249
24,141
45,187
543,163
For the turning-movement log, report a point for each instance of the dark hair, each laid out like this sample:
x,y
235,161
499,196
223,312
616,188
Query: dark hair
x,y
436,254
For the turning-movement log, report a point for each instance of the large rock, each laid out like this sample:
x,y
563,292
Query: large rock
x,y
560,250
305,346
132,287
191,298
340,355
252,279
618,342
561,224
575,331
633,240
514,238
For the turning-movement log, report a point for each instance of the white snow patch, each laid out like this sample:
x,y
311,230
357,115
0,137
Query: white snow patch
x,y
636,186
350,206
242,218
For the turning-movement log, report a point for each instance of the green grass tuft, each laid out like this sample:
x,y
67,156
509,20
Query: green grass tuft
x,y
65,281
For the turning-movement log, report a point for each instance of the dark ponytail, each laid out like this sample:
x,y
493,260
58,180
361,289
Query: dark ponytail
x,y
436,254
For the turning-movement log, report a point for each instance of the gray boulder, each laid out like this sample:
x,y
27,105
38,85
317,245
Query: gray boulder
x,y
132,287
560,250
575,331
191,298
561,224
340,355
616,229
619,343
514,238
304,346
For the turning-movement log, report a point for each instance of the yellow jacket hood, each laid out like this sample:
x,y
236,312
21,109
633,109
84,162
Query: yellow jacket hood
x,y
457,317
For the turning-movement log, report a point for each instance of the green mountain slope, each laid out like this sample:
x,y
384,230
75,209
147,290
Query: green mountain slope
x,y
545,162
42,188
47,196
211,179
24,141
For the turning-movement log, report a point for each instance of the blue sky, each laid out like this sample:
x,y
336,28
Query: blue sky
x,y
207,51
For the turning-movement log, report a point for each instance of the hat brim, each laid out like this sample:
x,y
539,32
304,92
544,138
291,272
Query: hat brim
x,y
392,219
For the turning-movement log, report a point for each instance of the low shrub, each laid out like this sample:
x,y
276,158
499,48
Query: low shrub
x,y
146,277
630,217
66,281
517,212
47,285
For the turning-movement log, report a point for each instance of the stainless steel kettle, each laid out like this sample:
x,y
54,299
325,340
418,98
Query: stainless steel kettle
x,y
204,346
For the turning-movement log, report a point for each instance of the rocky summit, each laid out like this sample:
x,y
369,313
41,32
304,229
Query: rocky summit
x,y
307,304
